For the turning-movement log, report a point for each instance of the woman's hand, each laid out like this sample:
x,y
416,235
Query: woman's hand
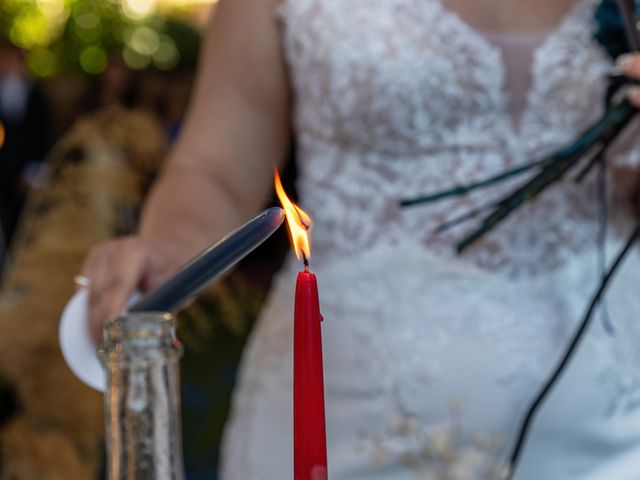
x,y
118,268
629,65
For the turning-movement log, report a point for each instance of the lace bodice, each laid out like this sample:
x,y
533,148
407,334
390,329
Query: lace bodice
x,y
412,100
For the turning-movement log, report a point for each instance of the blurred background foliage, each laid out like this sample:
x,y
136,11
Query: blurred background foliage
x,y
67,36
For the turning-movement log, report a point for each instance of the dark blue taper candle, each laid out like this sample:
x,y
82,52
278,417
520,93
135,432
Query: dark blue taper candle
x,y
210,264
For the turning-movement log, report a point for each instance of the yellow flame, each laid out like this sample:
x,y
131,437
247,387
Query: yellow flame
x,y
298,221
3,134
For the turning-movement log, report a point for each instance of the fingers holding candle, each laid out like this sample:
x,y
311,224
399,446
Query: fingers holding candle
x,y
634,96
107,295
116,269
629,65
211,263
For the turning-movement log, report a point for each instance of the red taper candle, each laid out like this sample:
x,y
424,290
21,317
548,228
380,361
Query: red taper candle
x,y
309,436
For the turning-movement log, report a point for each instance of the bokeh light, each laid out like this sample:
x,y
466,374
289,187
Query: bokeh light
x,y
31,31
93,60
144,41
53,9
86,16
43,63
138,9
166,57
80,35
135,60
33,24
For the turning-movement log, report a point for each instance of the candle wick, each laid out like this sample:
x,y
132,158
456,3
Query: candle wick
x,y
306,262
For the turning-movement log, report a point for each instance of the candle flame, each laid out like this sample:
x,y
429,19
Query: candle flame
x,y
298,221
3,134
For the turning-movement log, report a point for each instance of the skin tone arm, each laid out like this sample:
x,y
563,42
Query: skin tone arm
x,y
220,171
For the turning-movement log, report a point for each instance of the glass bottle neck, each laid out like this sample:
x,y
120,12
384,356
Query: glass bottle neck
x,y
142,401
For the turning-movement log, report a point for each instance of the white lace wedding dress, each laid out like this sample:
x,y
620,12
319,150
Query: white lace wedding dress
x,y
431,359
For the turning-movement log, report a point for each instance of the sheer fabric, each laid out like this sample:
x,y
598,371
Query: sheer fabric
x,y
517,51
430,358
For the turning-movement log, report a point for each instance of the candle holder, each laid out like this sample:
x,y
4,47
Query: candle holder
x,y
140,354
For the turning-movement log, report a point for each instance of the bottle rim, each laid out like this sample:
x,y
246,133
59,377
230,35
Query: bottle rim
x,y
130,334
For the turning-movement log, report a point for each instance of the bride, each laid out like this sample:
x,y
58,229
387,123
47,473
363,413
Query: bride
x,y
431,359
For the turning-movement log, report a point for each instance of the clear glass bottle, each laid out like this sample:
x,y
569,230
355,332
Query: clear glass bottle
x,y
140,354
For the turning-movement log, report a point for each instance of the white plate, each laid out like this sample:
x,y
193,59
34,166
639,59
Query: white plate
x,y
78,349
76,344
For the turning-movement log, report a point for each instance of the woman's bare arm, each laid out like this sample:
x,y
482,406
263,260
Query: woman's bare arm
x,y
220,171
235,131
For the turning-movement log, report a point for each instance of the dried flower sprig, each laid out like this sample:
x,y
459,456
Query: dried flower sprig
x,y
553,168
464,189
601,134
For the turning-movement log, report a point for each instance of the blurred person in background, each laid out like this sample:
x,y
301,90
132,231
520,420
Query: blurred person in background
x,y
25,125
430,359
117,85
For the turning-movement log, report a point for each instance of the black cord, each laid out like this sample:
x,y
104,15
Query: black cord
x,y
603,221
465,189
573,344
